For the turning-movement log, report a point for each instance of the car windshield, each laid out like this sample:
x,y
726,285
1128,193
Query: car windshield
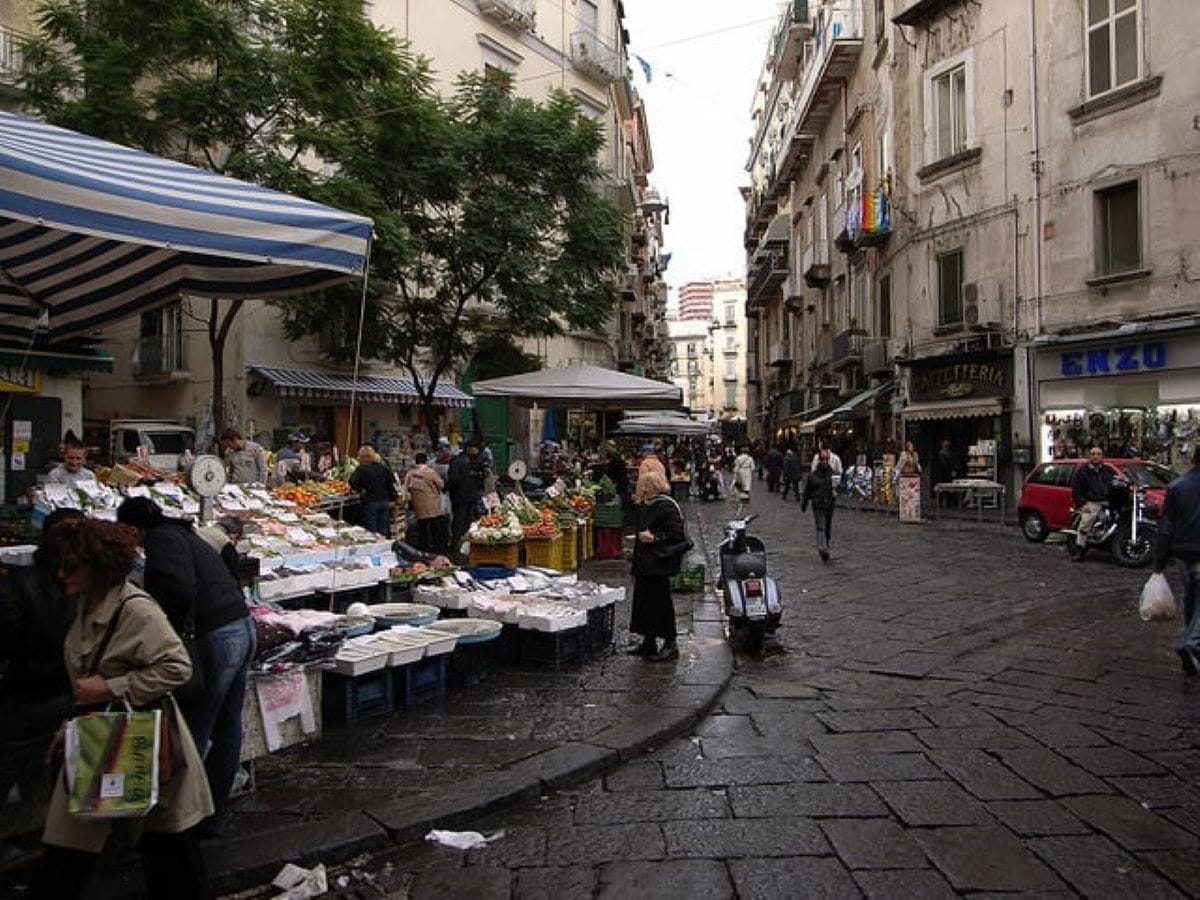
x,y
1148,474
167,441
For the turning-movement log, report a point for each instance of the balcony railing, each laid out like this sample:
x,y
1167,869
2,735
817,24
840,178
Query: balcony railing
x,y
793,28
848,347
518,14
814,264
593,56
12,55
159,354
878,355
781,353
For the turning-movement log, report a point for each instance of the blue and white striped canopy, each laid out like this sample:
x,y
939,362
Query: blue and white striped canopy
x,y
92,231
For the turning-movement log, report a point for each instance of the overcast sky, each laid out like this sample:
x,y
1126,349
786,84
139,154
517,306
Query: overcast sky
x,y
705,57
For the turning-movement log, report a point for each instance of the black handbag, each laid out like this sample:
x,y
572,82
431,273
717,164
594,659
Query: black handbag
x,y
193,689
669,551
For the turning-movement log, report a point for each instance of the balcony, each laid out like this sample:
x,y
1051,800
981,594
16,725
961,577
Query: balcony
x,y
620,191
847,348
12,53
519,15
878,356
793,29
594,57
160,357
867,223
781,354
814,264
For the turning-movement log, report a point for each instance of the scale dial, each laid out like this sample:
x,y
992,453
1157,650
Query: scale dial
x,y
208,475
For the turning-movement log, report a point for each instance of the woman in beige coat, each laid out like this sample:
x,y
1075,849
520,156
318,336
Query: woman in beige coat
x,y
142,662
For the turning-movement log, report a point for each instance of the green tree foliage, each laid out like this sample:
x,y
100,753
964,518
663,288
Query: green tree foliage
x,y
490,219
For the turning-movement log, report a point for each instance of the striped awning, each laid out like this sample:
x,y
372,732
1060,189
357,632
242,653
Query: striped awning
x,y
92,232
953,409
310,384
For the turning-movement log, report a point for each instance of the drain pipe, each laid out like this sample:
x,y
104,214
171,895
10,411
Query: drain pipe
x,y
1035,165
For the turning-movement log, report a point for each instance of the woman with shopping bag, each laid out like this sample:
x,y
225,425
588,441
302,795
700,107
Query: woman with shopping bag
x,y
122,650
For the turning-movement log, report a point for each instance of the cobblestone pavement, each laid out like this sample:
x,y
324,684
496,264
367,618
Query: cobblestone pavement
x,y
949,710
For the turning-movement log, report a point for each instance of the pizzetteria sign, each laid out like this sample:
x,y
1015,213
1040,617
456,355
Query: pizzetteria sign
x,y
986,377
16,380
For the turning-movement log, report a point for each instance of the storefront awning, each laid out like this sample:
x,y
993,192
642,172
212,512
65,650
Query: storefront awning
x,y
83,360
846,410
953,409
309,384
812,425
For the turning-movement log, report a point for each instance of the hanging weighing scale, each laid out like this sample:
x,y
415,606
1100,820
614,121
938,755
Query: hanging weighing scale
x,y
207,478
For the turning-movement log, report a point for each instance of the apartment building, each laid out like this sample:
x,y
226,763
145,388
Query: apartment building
x,y
163,363
966,221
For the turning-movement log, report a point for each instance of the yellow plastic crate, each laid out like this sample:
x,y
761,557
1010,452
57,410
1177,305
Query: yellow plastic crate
x,y
570,549
508,555
545,553
587,542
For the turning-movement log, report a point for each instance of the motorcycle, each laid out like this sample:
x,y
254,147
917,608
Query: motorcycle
x,y
750,598
1125,522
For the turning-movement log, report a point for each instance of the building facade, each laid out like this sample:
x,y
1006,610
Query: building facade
x,y
966,222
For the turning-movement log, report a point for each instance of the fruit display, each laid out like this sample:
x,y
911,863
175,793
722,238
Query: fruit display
x,y
545,529
582,504
294,493
500,527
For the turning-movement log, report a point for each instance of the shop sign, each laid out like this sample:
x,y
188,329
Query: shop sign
x,y
959,380
18,380
1118,359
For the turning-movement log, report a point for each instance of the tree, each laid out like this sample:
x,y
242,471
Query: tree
x,y
491,219
247,88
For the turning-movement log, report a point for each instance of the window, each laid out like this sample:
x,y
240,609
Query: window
x,y
1112,44
691,349
858,298
880,20
731,396
884,307
729,314
587,16
731,367
1118,226
730,342
949,109
949,268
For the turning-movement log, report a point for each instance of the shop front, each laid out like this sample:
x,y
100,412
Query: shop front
x,y
1134,392
963,399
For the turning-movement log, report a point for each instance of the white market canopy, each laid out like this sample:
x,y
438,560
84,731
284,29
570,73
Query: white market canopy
x,y
581,386
662,424
92,232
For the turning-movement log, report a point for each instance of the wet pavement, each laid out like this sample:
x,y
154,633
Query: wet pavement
x,y
948,710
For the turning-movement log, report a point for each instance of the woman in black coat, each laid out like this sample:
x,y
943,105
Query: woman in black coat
x,y
660,526
819,491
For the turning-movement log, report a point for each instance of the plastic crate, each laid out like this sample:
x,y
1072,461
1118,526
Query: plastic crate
x,y
471,664
587,541
507,649
508,555
600,628
608,543
609,515
347,698
680,489
569,549
553,649
545,553
422,681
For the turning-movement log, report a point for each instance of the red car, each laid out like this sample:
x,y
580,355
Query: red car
x,y
1045,503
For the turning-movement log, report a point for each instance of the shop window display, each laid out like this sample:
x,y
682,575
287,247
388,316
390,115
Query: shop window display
x,y
1165,434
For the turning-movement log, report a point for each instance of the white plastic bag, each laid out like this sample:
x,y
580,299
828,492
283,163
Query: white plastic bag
x,y
1158,603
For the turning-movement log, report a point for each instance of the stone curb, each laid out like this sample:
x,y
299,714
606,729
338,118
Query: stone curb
x,y
705,670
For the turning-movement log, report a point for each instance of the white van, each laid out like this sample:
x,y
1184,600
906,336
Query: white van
x,y
165,442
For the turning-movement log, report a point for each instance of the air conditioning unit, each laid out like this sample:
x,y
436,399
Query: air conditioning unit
x,y
651,331
981,303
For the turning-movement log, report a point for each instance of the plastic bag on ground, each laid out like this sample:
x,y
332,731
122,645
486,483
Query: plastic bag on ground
x,y
1158,602
461,840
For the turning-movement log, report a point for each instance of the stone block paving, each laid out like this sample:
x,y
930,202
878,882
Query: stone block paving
x,y
947,710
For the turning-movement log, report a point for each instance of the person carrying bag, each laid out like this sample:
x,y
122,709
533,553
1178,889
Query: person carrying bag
x,y
121,649
658,554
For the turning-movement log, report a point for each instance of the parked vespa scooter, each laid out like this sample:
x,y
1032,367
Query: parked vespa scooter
x,y
750,597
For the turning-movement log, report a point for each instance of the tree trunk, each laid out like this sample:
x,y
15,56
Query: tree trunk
x,y
218,335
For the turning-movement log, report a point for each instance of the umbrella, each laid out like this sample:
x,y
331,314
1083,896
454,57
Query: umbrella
x,y
92,232
581,386
659,424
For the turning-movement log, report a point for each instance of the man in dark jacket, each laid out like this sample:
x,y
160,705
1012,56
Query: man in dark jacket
x,y
774,467
1089,491
793,473
465,488
197,592
1179,536
35,692
818,490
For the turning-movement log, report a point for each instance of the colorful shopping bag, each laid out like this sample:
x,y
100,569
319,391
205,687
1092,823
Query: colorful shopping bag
x,y
111,763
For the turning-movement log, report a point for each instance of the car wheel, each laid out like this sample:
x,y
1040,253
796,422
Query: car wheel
x,y
1033,526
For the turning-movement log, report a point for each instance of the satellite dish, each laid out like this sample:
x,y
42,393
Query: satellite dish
x,y
208,475
517,470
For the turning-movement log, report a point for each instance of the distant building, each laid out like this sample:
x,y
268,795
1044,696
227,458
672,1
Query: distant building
x,y
696,301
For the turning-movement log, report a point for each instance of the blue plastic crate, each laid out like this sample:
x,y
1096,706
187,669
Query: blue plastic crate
x,y
471,664
423,681
352,698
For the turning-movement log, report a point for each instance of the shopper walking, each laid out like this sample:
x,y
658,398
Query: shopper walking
x,y
743,475
200,597
465,490
376,487
774,467
793,473
657,555
424,488
1179,537
120,644
818,490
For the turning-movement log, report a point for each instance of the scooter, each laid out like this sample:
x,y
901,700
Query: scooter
x,y
750,597
1125,520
